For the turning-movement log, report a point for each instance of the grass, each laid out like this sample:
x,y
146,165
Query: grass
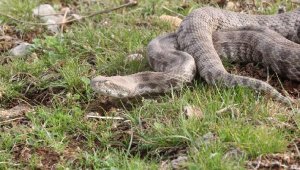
x,y
56,84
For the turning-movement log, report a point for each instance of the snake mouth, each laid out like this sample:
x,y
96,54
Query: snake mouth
x,y
110,86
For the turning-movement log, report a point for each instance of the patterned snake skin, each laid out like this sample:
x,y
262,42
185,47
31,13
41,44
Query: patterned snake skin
x,y
205,37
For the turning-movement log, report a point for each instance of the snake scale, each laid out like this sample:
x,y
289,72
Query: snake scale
x,y
205,37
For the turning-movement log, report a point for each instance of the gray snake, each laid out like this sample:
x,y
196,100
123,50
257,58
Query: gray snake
x,y
206,36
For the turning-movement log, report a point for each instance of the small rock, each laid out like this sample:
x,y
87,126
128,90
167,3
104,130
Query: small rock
x,y
165,165
47,13
179,163
234,153
134,57
209,137
21,50
53,27
33,58
230,6
44,10
193,112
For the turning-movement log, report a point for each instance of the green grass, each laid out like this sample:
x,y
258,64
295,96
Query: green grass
x,y
56,84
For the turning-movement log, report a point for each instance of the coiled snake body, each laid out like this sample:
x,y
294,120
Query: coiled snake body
x,y
205,37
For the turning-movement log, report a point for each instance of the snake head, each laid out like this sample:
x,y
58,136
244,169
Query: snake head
x,y
110,86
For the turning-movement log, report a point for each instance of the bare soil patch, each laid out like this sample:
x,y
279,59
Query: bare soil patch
x,y
261,73
288,160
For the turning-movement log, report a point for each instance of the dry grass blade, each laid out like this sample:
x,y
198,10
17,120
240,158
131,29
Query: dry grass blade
x,y
105,117
225,109
72,20
10,120
175,21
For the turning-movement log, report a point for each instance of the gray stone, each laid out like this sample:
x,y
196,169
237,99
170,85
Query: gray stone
x,y
21,50
47,13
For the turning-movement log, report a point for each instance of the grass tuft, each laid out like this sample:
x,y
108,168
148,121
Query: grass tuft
x,y
54,81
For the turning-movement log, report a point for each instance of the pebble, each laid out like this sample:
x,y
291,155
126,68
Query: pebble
x,y
47,13
21,50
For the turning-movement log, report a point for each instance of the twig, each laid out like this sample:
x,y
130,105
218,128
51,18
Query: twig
x,y
8,163
45,15
130,142
64,19
10,120
228,108
297,149
280,124
105,117
72,20
180,15
258,163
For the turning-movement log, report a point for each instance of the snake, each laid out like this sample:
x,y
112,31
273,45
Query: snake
x,y
205,38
